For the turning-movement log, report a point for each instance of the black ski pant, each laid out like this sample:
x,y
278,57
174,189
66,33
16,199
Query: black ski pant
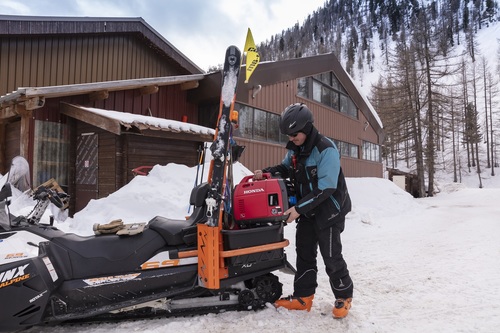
x,y
307,238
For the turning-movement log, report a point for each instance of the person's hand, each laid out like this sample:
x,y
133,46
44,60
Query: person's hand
x,y
257,175
292,214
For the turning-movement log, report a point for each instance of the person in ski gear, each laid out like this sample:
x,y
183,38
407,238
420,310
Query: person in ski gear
x,y
312,163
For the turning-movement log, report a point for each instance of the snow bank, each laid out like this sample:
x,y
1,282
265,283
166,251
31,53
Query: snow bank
x,y
165,191
376,197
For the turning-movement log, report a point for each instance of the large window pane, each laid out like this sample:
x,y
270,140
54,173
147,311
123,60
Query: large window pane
x,y
51,147
353,110
273,129
260,125
376,153
335,100
245,122
337,144
284,138
371,151
345,149
303,87
354,151
325,78
343,104
335,83
366,150
326,96
317,91
327,90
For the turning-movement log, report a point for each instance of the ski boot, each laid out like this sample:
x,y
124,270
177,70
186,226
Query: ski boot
x,y
295,303
341,308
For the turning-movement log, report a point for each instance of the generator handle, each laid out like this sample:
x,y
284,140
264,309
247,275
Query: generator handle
x,y
247,179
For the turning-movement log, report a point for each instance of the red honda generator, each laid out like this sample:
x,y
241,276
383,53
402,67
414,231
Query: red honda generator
x,y
257,202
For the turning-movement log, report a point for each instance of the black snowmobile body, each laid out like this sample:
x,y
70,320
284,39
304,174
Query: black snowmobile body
x,y
48,276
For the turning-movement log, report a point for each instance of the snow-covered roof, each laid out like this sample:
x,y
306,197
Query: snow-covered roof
x,y
119,122
365,99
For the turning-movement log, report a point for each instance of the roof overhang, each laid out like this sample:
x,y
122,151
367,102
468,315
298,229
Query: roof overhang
x,y
121,123
34,97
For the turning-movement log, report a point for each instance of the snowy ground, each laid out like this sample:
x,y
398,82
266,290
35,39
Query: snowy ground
x,y
418,264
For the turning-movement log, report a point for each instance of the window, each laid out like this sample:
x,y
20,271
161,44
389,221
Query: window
x,y
335,101
353,151
273,125
326,89
371,151
347,149
303,87
258,125
51,150
316,91
245,121
343,104
261,125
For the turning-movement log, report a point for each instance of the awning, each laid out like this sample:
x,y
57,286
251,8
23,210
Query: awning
x,y
34,97
120,123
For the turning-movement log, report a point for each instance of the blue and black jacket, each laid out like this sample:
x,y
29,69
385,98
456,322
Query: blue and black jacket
x,y
319,182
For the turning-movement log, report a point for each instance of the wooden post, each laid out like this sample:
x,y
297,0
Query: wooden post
x,y
24,140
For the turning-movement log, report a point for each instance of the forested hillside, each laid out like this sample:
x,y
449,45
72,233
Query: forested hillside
x,y
421,65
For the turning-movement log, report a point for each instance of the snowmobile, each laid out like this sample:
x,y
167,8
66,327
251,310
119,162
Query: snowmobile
x,y
216,260
48,276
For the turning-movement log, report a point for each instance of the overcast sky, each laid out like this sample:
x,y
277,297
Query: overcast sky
x,y
200,29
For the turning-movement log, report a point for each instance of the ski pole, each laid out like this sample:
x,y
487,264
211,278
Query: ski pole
x,y
200,155
203,161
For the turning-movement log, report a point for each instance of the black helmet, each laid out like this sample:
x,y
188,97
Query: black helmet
x,y
296,118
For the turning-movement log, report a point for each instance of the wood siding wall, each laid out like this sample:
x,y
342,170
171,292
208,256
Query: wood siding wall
x,y
142,151
275,98
118,155
170,102
37,61
258,155
10,137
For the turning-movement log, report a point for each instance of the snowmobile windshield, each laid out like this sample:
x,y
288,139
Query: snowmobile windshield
x,y
5,193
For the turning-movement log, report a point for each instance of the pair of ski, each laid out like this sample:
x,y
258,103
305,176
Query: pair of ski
x,y
210,267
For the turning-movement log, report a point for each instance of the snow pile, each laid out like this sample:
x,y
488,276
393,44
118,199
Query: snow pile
x,y
368,203
164,192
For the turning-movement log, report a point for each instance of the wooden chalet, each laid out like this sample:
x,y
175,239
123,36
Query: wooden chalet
x,y
63,81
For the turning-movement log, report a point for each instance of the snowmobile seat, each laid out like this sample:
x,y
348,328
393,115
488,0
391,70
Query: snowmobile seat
x,y
84,256
179,232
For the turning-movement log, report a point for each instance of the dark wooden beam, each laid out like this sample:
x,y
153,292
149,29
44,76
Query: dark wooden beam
x,y
98,95
148,90
94,119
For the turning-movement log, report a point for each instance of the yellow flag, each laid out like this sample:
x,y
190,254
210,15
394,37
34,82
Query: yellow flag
x,y
252,56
